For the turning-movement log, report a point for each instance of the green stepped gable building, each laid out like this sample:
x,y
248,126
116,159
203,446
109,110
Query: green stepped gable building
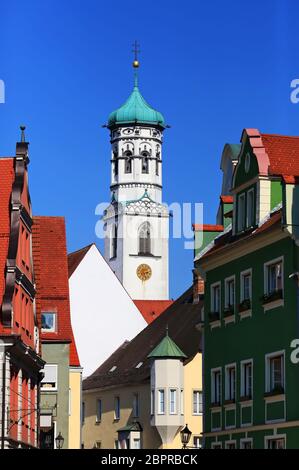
x,y
249,261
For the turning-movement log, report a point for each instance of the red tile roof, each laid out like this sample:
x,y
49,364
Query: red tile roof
x,y
207,228
7,176
75,258
51,275
227,239
283,153
152,309
227,199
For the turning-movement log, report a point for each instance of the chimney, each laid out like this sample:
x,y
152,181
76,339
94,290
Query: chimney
x,y
198,286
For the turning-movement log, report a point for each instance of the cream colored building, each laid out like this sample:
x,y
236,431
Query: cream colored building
x,y
75,401
150,387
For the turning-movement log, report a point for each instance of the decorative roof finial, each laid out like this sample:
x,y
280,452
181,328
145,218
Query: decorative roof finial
x,y
136,51
23,133
167,330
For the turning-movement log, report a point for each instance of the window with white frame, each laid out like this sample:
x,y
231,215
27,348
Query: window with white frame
x,y
216,386
246,280
161,402
197,442
246,379
152,402
144,239
230,293
241,212
137,443
172,401
275,372
135,405
275,443
182,401
216,445
49,382
250,208
197,402
48,322
215,298
98,410
231,445
246,443
230,382
273,275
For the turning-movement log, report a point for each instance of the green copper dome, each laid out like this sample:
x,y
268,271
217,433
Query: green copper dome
x,y
135,110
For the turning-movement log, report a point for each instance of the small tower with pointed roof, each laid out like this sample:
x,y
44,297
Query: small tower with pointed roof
x,y
167,389
137,222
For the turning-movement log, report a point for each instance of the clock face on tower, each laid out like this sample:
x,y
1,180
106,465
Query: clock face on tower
x,y
144,272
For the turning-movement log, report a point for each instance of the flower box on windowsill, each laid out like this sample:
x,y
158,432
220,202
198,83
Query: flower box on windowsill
x,y
229,402
228,311
214,316
245,305
275,295
246,398
215,404
275,391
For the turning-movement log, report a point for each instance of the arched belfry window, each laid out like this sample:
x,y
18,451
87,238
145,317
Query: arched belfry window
x,y
145,162
115,163
128,162
145,239
113,242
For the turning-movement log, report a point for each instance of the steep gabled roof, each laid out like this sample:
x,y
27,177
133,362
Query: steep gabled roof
x,y
75,258
152,309
283,153
51,275
130,362
7,176
228,239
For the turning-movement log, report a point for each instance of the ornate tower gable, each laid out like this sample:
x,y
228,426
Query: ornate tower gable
x,y
146,206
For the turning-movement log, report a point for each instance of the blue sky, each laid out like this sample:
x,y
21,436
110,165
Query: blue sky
x,y
212,68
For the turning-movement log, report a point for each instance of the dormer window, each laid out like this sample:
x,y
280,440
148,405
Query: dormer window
x,y
246,210
48,322
250,208
241,212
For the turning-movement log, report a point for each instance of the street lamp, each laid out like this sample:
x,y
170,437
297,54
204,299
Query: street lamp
x,y
185,436
59,441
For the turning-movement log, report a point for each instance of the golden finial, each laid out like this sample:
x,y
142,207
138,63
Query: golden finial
x,y
136,51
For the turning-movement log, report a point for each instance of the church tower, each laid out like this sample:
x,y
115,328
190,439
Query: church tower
x,y
136,222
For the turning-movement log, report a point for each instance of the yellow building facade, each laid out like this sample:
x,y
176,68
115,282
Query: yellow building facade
x,y
75,401
103,432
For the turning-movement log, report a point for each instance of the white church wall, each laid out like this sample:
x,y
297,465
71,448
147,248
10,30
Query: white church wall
x,y
103,315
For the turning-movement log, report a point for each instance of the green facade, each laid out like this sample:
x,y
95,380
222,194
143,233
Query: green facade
x,y
258,329
57,402
253,338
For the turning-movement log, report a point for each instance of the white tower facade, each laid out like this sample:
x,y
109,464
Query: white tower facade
x,y
136,222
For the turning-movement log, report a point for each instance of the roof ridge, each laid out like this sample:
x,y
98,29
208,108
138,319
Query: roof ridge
x,y
280,135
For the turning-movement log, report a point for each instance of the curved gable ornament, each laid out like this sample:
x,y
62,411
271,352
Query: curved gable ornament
x,y
255,141
145,205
